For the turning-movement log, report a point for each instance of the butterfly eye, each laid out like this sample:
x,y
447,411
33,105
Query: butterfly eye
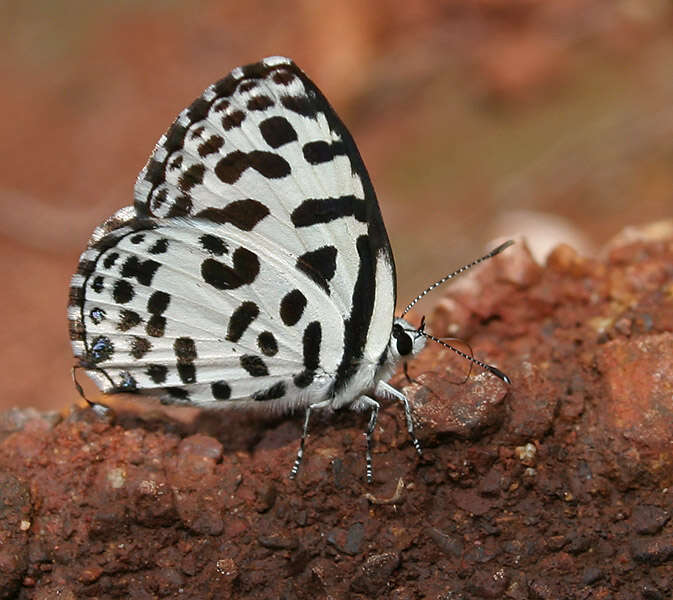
x,y
403,339
404,344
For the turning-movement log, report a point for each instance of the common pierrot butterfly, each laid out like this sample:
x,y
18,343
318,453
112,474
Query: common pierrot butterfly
x,y
253,269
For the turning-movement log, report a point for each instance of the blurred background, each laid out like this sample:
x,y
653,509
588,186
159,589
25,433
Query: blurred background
x,y
477,119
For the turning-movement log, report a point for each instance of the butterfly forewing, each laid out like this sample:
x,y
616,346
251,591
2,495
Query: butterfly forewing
x,y
255,265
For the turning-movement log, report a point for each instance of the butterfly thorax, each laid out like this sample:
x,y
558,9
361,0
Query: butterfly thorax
x,y
405,342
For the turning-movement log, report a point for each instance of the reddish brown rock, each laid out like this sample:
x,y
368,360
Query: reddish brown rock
x,y
638,376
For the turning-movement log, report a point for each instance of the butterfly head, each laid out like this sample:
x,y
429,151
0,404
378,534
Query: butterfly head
x,y
405,341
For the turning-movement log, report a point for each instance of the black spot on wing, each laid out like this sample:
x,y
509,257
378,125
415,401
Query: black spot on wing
x,y
198,110
185,352
159,199
314,211
142,270
292,307
197,133
213,244
267,343
176,163
128,319
220,390
220,105
158,302
246,86
191,177
244,214
75,296
110,259
277,131
159,247
122,292
154,172
85,267
254,365
101,349
156,326
273,393
137,238
181,207
211,146
97,315
261,102
233,120
302,105
319,265
157,373
223,277
321,151
283,77
187,373
140,346
304,379
127,382
97,284
177,393
311,343
185,349
240,320
272,166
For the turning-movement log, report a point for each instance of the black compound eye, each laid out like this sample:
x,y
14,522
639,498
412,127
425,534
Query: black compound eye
x,y
404,343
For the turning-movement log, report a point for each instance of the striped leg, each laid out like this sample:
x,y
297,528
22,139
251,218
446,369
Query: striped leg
x,y
304,435
367,402
386,390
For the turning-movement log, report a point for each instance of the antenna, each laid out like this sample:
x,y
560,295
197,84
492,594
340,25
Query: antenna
x,y
439,282
491,369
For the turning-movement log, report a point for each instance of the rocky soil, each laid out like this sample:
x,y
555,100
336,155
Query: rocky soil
x,y
554,487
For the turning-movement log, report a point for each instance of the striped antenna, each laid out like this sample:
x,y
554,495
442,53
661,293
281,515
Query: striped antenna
x,y
491,369
439,282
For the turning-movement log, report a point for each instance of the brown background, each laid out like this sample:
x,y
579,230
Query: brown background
x,y
466,113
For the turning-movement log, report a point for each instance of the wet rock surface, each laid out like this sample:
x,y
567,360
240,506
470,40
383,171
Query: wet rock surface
x,y
558,486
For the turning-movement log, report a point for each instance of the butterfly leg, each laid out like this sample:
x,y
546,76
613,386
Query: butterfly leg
x,y
300,452
364,403
99,409
386,390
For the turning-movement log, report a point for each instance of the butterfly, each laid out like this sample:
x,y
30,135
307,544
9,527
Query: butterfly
x,y
253,268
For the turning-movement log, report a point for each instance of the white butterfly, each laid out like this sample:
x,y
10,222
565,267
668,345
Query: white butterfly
x,y
254,268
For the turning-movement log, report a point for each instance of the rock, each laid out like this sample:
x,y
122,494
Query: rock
x,y
372,576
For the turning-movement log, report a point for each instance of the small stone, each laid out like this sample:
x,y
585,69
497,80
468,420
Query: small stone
x,y
90,574
591,575
373,575
654,551
227,568
354,538
348,542
488,584
648,519
448,544
278,541
116,477
526,454
465,411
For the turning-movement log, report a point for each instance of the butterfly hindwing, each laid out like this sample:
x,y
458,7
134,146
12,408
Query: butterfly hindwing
x,y
254,265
